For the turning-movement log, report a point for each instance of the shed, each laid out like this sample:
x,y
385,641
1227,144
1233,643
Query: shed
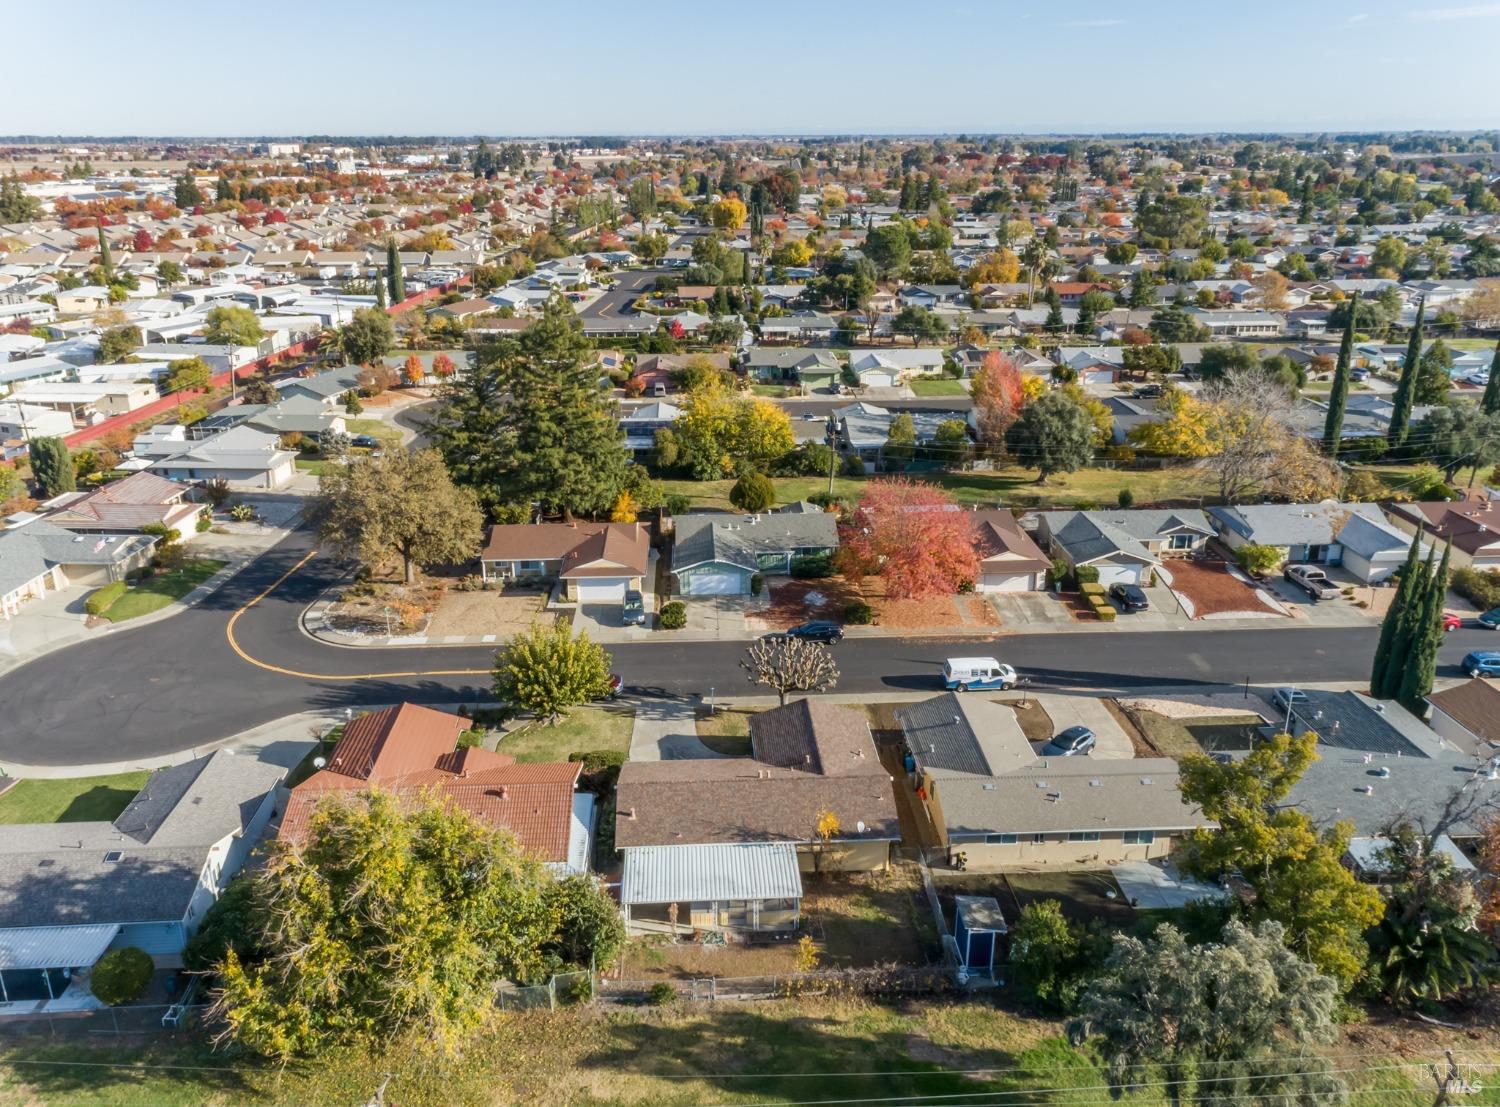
x,y
977,926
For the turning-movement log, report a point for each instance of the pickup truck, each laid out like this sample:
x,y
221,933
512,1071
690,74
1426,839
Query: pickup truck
x,y
1311,580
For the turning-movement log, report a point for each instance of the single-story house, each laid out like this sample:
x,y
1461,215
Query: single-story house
x,y
597,562
886,368
411,749
1468,715
809,368
125,506
721,843
326,388
69,891
864,427
1356,536
39,557
993,800
640,424
245,458
718,554
1473,526
1009,560
1124,545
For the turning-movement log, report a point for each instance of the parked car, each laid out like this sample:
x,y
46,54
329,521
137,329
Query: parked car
x,y
819,630
1288,698
659,388
365,442
1073,742
1312,580
1451,622
1490,620
1130,597
1481,663
963,673
633,610
1148,392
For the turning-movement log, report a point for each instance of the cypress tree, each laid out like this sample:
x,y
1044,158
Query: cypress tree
x,y
1408,629
380,298
1338,397
106,263
52,466
395,283
1491,401
1305,214
1401,404
1421,667
1054,321
1382,669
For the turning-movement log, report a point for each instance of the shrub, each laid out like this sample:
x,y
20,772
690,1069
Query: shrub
x,y
121,975
1091,589
673,615
1257,560
1087,505
853,466
1481,587
599,761
825,500
753,492
242,513
675,503
1087,574
1106,613
812,567
661,994
757,583
100,601
859,614
1126,498
1120,454
205,522
1058,572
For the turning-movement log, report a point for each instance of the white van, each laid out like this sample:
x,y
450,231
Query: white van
x,y
963,673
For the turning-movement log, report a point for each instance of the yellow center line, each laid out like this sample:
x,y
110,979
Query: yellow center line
x,y
277,583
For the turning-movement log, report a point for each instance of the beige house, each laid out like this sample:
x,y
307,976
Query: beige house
x,y
597,562
991,798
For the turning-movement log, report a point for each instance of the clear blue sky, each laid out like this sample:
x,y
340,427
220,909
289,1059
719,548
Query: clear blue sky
x,y
104,67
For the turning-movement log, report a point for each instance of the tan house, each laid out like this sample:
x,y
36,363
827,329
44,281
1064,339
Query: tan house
x,y
992,799
1009,561
1473,526
597,562
1468,715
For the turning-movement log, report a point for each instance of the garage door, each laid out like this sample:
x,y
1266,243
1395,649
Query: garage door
x,y
1012,582
601,591
712,583
1118,574
877,380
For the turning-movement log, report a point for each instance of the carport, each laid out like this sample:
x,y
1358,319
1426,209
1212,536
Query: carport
x,y
38,962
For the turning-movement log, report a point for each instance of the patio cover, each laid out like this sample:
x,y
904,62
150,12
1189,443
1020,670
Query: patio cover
x,y
711,873
54,947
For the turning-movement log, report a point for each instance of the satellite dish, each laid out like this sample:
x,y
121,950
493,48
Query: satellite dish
x,y
319,762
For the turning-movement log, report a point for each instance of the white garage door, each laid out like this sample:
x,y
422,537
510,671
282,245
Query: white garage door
x,y
1013,582
877,380
601,591
712,584
1119,574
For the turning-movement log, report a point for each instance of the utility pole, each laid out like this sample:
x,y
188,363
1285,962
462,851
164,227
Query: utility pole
x,y
831,435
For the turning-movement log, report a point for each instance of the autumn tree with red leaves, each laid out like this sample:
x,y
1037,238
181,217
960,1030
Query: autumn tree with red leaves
x,y
442,366
912,535
142,241
998,396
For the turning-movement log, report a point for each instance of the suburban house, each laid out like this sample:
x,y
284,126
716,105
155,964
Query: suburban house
x,y
1468,716
1009,561
326,388
640,424
1473,526
597,562
1356,536
38,557
887,368
244,458
721,843
125,506
1124,545
993,800
410,750
809,368
70,891
716,555
864,427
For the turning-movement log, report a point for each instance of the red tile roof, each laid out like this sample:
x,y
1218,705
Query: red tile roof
x,y
387,744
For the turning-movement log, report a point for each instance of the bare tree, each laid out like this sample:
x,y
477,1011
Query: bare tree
x,y
790,665
1252,429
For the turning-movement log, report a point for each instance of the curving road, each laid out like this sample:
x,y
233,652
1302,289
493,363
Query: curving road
x,y
182,682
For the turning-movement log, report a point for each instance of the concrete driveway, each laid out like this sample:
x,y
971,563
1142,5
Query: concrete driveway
x,y
666,730
1110,740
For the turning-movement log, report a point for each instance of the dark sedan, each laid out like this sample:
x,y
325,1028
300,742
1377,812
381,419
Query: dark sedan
x,y
1129,596
1073,742
819,630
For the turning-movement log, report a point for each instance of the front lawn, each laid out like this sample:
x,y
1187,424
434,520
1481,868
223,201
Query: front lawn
x,y
375,428
586,729
160,589
940,386
725,732
79,799
313,465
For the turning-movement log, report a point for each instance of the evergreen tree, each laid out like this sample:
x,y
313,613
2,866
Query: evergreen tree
x,y
395,283
1421,667
1054,321
1304,215
106,262
1338,397
223,190
52,466
380,297
1408,629
1386,670
1401,404
1491,401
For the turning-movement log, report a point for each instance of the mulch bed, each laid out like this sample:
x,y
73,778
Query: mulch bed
x,y
797,601
1212,589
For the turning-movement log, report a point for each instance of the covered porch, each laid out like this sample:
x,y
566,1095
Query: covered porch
x,y
732,888
45,964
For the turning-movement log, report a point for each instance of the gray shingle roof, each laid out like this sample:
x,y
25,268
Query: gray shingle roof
x,y
1090,535
737,539
954,733
28,551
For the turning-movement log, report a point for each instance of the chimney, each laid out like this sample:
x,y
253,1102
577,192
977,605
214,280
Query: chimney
x,y
504,792
630,812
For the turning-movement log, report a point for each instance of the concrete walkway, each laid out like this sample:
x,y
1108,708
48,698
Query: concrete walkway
x,y
665,730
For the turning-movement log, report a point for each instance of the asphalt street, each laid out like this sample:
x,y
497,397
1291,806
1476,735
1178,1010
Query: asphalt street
x,y
179,683
630,284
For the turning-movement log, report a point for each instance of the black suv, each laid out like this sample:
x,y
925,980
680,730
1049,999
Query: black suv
x,y
819,630
1129,597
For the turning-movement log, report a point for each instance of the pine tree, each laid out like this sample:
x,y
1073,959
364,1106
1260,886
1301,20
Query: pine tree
x,y
1401,404
1385,666
1421,667
52,466
1491,401
1054,321
395,283
1305,214
1338,397
106,262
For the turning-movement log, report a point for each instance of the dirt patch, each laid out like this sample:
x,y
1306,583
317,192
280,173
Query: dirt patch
x,y
1211,589
797,601
474,614
866,919
977,611
1127,724
1036,724
384,607
658,957
937,613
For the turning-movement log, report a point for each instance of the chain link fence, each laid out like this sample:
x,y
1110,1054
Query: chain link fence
x,y
149,1019
893,980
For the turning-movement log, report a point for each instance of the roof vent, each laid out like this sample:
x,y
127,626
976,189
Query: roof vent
x,y
1145,780
990,787
1096,784
1041,784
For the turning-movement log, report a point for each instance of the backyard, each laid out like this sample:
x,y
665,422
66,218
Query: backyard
x,y
1194,734
79,799
584,730
162,588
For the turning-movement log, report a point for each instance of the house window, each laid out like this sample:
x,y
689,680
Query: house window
x,y
1084,836
1000,839
1181,542
1038,839
1139,837
529,566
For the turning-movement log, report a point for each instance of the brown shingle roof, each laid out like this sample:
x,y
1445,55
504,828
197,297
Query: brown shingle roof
x,y
815,737
1471,524
1003,546
1475,706
585,549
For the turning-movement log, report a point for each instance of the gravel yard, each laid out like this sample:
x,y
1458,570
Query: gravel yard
x,y
472,614
1209,588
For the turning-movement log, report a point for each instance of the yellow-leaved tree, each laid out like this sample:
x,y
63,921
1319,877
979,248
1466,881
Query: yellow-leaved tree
x,y
1184,427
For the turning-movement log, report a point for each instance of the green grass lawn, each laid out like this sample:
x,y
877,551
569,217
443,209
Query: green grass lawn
x,y
725,732
375,428
312,465
78,799
157,591
587,728
940,386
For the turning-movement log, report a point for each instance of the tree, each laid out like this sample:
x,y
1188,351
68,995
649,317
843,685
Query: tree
x,y
1392,647
1420,668
1490,404
116,343
790,665
548,672
189,374
121,975
1401,404
919,324
1052,958
1258,560
402,502
1434,374
376,378
169,273
1338,395
719,430
413,371
16,204
443,367
1389,256
900,442
393,915
1228,1020
1000,267
753,492
187,195
1272,287
1091,305
727,214
590,932
912,535
529,427
625,509
1456,436
106,262
998,396
1053,435
366,337
395,279
1172,324
1183,426
1054,323
52,467
142,241
889,247
1302,473
1252,430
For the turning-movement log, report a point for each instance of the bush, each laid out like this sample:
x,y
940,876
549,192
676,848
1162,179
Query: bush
x,y
1091,589
812,567
1087,574
121,975
1258,560
675,503
1106,613
1059,572
859,614
757,584
599,761
1481,587
1126,498
242,513
673,615
753,492
853,466
825,500
661,994
205,522
100,601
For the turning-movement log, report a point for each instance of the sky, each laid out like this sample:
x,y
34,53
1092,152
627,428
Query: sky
x,y
561,67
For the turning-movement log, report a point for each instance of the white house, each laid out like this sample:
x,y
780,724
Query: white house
x,y
246,459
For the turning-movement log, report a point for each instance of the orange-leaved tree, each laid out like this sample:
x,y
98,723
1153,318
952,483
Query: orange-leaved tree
x,y
914,536
998,397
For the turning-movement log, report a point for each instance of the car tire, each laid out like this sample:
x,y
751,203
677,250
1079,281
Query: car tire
x,y
1474,674
965,687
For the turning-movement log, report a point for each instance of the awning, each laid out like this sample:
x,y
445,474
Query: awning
x,y
54,947
711,872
